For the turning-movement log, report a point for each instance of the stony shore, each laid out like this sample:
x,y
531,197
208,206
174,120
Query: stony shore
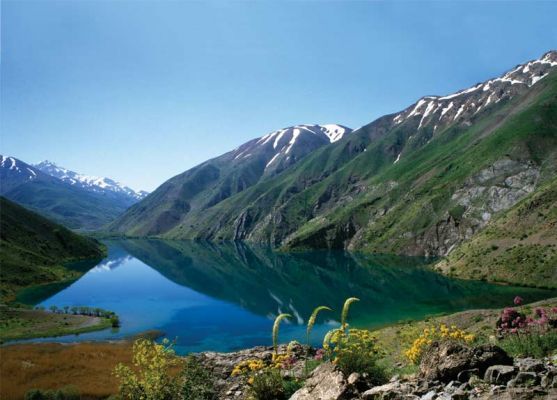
x,y
448,371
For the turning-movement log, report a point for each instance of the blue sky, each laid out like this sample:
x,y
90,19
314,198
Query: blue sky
x,y
140,91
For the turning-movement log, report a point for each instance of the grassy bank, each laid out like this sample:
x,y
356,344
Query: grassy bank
x,y
19,323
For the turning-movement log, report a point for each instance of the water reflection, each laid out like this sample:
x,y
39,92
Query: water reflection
x,y
224,296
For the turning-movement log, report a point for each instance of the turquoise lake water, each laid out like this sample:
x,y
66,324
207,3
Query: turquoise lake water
x,y
225,296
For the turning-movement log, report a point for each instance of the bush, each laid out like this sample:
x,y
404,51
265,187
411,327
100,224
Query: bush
x,y
115,321
267,385
198,383
152,381
532,344
355,350
66,393
431,334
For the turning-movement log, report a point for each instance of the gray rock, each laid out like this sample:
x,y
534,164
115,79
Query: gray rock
x,y
530,365
325,383
445,360
527,379
499,374
431,395
464,376
549,380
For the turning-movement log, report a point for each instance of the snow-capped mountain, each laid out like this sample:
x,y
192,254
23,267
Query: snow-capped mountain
x,y
14,172
283,147
93,183
215,180
464,104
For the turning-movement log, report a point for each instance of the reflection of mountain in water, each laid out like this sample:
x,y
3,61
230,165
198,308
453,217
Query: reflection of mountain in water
x,y
267,282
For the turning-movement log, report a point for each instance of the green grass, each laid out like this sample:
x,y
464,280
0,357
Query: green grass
x,y
34,250
19,323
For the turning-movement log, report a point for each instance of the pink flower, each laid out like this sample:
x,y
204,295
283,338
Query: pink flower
x,y
319,354
518,300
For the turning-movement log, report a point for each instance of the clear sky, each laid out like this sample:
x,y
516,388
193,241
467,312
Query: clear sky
x,y
142,90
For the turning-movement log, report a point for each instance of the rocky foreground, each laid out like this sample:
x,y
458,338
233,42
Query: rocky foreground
x,y
447,371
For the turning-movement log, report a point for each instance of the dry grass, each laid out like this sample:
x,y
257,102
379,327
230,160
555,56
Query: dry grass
x,y
87,366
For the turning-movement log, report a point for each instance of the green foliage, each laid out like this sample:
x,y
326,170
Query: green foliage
x,y
197,381
66,393
115,321
345,309
312,319
150,379
276,326
356,350
531,344
270,385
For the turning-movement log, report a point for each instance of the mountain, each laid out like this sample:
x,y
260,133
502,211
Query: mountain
x,y
417,182
34,249
214,181
92,183
523,238
69,204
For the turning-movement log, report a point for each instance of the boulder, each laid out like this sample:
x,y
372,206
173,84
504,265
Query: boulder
x,y
530,365
527,379
499,374
325,383
444,361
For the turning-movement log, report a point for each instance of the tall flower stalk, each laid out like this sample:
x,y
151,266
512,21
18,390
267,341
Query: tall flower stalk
x,y
311,321
345,309
276,326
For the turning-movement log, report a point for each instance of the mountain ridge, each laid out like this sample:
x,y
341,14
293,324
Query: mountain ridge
x,y
416,182
73,206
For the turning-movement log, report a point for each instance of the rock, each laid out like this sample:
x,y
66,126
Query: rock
x,y
431,395
325,383
530,365
389,391
499,374
353,378
527,379
549,380
464,376
445,360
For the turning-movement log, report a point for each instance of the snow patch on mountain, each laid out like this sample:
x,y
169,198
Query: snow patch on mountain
x,y
94,183
438,110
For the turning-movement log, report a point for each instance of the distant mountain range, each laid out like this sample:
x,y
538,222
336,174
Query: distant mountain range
x,y
93,183
74,200
420,181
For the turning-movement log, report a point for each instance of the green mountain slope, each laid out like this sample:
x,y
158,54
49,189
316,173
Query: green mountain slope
x,y
33,249
208,184
519,247
418,182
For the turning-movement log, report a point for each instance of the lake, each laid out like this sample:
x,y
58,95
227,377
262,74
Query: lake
x,y
225,296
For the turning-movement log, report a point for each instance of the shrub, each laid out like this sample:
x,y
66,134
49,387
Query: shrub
x,y
152,380
431,334
115,321
528,335
355,350
198,383
66,393
532,344
267,385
